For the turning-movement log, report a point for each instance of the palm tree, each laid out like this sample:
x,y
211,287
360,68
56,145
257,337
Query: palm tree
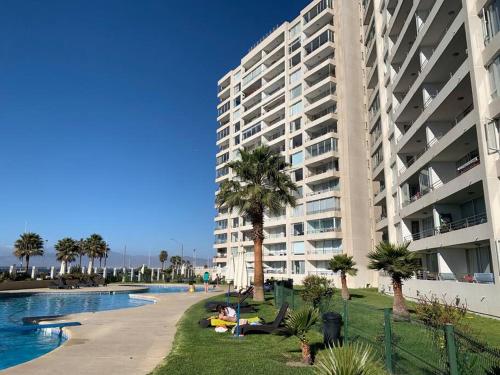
x,y
66,251
27,245
163,258
176,262
106,255
400,263
260,185
346,265
298,324
95,247
81,250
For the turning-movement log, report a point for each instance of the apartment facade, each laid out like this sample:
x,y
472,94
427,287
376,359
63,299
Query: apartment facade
x,y
432,75
299,90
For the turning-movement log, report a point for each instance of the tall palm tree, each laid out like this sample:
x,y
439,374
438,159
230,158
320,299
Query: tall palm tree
x,y
28,245
346,265
95,247
261,185
401,264
66,251
81,251
163,258
106,255
176,262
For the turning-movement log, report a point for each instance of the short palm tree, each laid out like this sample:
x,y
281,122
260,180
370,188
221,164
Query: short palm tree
x,y
66,251
344,264
354,359
28,245
163,258
95,247
260,185
298,324
401,264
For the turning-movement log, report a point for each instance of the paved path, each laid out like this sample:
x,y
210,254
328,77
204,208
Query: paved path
x,y
127,341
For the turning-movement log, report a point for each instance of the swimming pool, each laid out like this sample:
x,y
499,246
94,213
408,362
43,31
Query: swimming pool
x,y
17,346
158,288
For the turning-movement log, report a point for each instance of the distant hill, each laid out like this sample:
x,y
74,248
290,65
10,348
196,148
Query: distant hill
x,y
114,260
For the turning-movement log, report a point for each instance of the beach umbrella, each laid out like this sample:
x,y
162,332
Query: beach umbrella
x,y
240,270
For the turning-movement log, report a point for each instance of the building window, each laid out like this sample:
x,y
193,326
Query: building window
x,y
299,267
237,101
222,172
491,20
294,61
222,159
237,114
223,133
298,229
296,109
296,92
294,46
237,127
494,74
295,30
493,135
323,205
295,124
298,210
237,88
237,140
297,159
295,76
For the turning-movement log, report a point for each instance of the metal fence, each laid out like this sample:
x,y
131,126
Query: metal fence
x,y
407,347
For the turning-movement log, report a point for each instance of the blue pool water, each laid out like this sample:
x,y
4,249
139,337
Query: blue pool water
x,y
18,346
169,289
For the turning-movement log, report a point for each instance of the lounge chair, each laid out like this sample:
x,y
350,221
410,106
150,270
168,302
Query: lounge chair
x,y
212,305
245,292
60,283
273,327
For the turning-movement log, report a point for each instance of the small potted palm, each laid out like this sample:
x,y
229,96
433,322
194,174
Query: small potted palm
x,y
298,324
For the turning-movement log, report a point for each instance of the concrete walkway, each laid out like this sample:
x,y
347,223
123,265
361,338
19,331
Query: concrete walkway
x,y
127,341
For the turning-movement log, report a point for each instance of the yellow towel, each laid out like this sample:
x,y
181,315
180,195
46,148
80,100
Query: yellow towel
x,y
214,322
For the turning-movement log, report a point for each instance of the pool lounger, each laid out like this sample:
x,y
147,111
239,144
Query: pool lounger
x,y
34,327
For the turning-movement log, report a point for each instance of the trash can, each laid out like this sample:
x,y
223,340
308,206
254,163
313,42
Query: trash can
x,y
332,322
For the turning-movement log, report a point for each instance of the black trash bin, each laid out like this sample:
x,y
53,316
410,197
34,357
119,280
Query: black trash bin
x,y
332,323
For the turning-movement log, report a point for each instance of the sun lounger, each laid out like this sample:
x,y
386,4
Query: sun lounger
x,y
212,305
273,327
60,283
246,292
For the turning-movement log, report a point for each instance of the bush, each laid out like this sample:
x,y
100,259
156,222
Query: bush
x,y
75,270
315,289
349,360
436,312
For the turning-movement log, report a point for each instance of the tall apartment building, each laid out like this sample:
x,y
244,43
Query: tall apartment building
x,y
389,112
432,73
299,90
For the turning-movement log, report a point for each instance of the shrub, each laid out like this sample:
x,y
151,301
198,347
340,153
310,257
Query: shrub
x,y
436,312
315,289
76,270
349,360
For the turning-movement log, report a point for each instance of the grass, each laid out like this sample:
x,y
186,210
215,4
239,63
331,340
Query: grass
x,y
198,350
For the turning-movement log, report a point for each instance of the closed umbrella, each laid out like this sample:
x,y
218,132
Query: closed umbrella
x,y
229,275
240,281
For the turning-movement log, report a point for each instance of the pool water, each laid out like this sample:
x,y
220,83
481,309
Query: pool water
x,y
170,289
18,346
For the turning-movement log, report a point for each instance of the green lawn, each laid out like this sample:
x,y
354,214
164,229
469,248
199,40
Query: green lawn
x,y
203,351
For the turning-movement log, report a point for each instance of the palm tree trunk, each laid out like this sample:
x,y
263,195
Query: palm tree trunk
x,y
399,307
306,352
258,278
345,291
105,261
27,263
91,265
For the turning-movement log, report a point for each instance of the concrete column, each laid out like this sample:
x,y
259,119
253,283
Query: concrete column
x,y
114,272
33,272
105,272
83,269
52,272
95,269
12,270
158,274
131,274
139,276
69,269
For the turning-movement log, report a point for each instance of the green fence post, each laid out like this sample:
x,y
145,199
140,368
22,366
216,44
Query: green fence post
x,y
346,322
274,293
388,340
451,349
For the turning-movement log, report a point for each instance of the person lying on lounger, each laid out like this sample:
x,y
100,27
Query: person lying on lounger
x,y
226,313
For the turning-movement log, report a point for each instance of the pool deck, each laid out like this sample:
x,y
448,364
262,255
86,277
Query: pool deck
x,y
126,341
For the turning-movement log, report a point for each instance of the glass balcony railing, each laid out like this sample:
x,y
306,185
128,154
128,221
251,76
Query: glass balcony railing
x,y
320,7
325,37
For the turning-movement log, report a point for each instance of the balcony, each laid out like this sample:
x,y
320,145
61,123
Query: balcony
x,y
318,14
449,227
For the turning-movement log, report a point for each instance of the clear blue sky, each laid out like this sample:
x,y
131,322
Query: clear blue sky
x,y
107,115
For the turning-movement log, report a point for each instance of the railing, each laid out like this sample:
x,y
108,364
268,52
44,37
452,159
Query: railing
x,y
320,7
327,111
380,218
417,156
312,46
321,273
323,230
331,252
332,90
321,61
275,235
323,191
449,227
477,278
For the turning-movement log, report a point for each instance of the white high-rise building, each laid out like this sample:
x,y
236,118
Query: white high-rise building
x,y
300,92
388,112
